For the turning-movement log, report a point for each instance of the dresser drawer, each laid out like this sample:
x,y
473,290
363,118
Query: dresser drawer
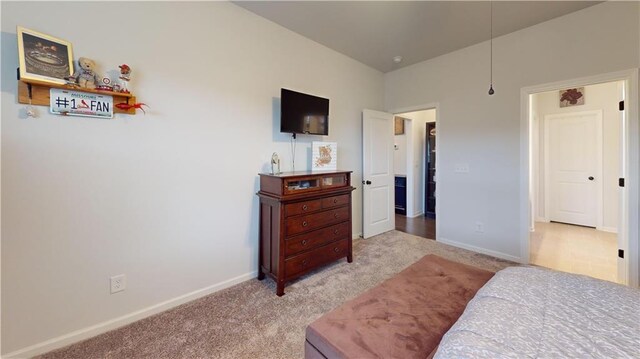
x,y
300,224
319,256
335,201
317,238
293,209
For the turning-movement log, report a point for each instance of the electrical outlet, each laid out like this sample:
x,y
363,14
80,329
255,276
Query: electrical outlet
x,y
479,227
118,283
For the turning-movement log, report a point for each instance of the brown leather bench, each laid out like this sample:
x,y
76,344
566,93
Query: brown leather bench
x,y
403,317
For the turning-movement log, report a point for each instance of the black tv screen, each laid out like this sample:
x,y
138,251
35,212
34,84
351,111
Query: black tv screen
x,y
302,113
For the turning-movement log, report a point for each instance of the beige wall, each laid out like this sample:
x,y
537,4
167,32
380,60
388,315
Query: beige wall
x,y
484,131
168,198
603,97
400,153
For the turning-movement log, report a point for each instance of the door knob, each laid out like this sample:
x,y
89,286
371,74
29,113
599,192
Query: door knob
x,y
590,178
366,182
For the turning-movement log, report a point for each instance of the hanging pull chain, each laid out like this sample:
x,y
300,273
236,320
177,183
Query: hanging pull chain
x,y
491,91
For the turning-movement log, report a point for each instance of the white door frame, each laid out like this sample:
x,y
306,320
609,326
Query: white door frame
x,y
424,107
599,167
630,209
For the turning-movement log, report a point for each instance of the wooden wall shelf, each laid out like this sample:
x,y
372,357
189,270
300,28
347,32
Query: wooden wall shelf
x,y
40,94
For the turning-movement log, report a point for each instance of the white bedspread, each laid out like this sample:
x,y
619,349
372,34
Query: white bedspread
x,y
527,312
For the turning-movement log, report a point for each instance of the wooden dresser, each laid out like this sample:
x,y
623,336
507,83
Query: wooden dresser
x,y
305,222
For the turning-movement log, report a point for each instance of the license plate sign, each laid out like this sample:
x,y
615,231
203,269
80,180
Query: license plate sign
x,y
76,103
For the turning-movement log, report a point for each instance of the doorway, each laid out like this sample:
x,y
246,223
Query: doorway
x,y
414,172
577,157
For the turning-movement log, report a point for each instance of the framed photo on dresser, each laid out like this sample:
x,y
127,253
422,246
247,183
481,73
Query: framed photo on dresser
x,y
324,156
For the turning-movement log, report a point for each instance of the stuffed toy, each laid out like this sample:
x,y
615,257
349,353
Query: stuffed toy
x,y
86,76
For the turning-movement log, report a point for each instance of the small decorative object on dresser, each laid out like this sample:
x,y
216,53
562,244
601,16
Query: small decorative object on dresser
x,y
275,164
305,222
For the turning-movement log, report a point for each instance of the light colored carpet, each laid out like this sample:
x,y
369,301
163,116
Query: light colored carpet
x,y
250,321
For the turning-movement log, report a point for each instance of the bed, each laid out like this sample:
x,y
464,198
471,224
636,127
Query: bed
x,y
443,309
529,312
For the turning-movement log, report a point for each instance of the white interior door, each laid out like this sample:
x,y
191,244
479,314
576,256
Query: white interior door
x,y
377,173
573,157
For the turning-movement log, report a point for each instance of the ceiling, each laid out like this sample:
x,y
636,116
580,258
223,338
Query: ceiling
x,y
374,32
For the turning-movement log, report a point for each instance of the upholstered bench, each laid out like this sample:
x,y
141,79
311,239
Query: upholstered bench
x,y
403,317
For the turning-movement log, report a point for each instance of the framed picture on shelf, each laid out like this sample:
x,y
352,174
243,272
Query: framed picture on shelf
x,y
43,58
324,156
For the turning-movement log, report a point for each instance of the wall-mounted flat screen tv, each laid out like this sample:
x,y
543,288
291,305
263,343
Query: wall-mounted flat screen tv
x,y
303,113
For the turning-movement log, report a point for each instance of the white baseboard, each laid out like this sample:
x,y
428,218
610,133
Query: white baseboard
x,y
356,235
542,219
115,323
608,229
480,250
417,215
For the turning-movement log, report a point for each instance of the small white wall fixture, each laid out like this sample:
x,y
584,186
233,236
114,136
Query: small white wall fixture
x,y
628,232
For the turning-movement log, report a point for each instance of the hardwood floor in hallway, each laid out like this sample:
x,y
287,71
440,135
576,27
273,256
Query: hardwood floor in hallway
x,y
575,249
420,226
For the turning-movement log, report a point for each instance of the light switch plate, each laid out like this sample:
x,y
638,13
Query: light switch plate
x,y
461,168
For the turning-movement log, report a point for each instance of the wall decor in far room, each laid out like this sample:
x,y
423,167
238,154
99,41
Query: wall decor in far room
x,y
324,156
398,126
43,58
572,97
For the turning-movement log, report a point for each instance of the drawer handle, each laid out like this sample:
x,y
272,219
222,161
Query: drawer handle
x,y
304,207
305,262
335,200
304,223
335,215
335,231
336,249
304,242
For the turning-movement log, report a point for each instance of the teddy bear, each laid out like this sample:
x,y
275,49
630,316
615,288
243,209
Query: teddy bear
x,y
86,76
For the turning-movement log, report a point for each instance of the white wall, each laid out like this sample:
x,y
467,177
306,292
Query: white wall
x,y
416,147
167,198
400,153
603,97
484,131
